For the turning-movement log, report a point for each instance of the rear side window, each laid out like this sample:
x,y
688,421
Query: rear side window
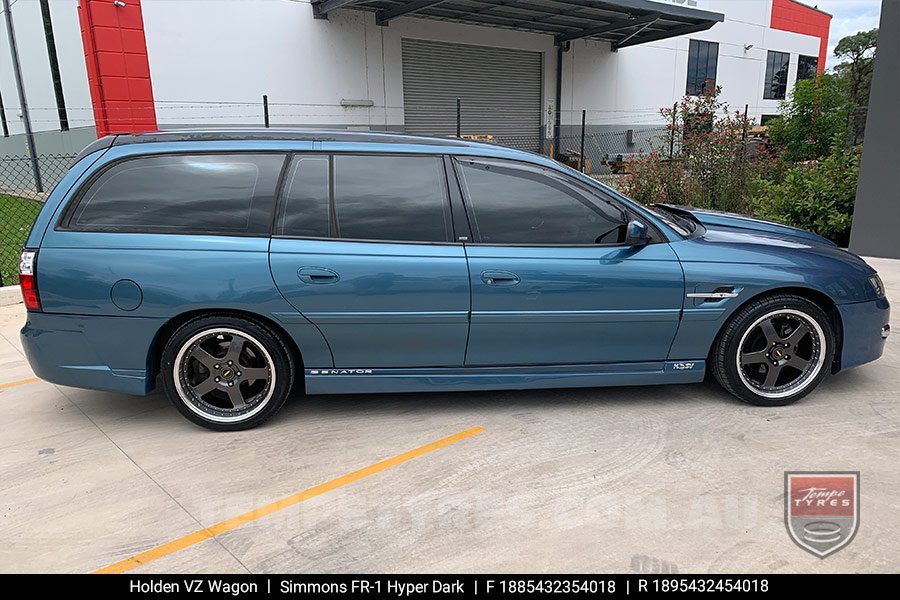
x,y
366,197
211,193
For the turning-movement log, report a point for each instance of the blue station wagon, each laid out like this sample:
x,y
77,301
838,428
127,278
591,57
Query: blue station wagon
x,y
238,265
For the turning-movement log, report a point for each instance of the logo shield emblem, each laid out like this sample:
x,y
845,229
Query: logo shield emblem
x,y
821,509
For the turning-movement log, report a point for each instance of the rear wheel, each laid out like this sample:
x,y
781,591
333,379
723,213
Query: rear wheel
x,y
774,351
227,373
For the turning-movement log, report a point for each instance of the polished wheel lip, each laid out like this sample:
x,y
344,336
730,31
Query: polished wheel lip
x,y
805,380
192,404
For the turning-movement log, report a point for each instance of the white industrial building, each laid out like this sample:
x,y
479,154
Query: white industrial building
x,y
93,67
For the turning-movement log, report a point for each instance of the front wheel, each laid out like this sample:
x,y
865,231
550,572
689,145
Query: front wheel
x,y
774,351
226,373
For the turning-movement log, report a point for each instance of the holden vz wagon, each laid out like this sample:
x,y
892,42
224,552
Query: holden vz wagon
x,y
239,266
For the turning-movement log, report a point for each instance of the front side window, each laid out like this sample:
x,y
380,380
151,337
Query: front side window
x,y
777,64
211,193
807,67
515,203
703,61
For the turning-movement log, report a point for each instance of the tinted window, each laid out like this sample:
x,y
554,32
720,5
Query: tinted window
x,y
519,204
703,61
304,209
185,193
777,64
807,67
399,198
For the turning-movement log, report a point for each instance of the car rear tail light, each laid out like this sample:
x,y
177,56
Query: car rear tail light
x,y
28,281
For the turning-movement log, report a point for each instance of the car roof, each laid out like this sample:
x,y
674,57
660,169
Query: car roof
x,y
267,134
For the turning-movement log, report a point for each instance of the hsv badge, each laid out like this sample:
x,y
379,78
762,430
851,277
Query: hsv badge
x,y
821,509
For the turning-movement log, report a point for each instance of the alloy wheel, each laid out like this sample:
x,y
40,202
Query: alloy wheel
x,y
224,375
781,353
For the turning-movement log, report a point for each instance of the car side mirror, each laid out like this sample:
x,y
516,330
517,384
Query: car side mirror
x,y
638,233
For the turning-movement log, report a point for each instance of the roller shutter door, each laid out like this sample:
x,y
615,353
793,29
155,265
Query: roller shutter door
x,y
500,91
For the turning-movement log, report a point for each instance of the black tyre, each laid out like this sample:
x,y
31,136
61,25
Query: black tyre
x,y
227,373
774,351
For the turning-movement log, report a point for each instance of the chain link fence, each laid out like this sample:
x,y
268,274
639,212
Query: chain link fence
x,y
20,204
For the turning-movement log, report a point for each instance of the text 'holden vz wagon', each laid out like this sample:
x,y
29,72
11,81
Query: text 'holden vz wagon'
x,y
237,266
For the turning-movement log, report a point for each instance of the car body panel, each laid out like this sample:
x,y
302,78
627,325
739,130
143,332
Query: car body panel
x,y
572,305
386,305
419,317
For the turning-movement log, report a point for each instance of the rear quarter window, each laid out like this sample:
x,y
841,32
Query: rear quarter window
x,y
227,194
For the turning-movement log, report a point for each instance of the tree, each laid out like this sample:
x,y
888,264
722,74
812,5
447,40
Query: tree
x,y
858,52
814,115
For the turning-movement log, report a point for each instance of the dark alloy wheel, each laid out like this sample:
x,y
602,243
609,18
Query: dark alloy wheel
x,y
774,351
227,372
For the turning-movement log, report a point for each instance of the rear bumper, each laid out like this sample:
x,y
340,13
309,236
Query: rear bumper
x,y
93,352
863,324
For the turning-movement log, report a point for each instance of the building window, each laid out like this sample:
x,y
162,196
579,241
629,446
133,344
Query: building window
x,y
703,59
766,119
807,67
777,65
54,66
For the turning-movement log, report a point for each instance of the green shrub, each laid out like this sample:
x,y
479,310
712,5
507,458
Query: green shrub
x,y
816,196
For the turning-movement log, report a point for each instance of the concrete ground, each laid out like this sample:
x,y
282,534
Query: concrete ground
x,y
679,478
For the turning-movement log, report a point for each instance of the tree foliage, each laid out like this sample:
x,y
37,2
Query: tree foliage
x,y
814,115
817,196
858,52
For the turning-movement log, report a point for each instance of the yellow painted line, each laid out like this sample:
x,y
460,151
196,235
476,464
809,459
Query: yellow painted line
x,y
3,386
258,513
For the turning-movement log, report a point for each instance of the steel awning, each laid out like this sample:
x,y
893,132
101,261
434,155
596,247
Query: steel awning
x,y
622,23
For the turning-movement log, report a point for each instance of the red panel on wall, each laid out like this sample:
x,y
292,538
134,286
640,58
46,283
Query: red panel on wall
x,y
789,15
115,51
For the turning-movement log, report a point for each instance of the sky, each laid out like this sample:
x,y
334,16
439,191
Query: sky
x,y
849,17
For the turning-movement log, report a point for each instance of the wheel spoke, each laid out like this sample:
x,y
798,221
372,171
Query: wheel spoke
x,y
205,386
235,347
769,331
754,358
236,398
798,334
772,376
254,373
206,359
797,363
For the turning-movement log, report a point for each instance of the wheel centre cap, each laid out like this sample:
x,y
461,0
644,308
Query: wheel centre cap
x,y
227,374
777,353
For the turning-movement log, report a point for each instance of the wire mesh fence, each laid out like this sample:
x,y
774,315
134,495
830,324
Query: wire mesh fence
x,y
20,203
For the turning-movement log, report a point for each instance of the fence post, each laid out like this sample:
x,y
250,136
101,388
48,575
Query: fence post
x,y
672,133
266,110
583,121
459,117
23,104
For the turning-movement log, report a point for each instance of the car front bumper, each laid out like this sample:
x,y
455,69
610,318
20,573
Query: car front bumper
x,y
865,328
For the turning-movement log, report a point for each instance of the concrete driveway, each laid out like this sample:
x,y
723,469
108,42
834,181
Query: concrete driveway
x,y
677,478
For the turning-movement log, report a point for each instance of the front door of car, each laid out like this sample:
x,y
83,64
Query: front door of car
x,y
553,281
362,248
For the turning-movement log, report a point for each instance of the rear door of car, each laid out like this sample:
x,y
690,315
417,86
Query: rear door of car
x,y
364,247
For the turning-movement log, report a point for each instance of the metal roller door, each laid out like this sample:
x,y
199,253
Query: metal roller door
x,y
500,90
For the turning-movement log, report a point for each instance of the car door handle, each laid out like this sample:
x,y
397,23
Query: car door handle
x,y
317,275
500,278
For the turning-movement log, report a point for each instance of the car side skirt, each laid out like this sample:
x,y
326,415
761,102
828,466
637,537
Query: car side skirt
x,y
365,380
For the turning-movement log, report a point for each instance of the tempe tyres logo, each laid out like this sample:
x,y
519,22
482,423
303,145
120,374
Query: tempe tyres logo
x,y
821,509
